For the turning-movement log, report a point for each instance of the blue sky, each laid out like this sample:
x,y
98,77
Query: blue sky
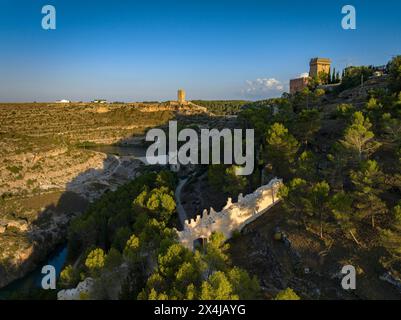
x,y
145,50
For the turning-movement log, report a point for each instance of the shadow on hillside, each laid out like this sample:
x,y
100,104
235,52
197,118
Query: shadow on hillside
x,y
48,231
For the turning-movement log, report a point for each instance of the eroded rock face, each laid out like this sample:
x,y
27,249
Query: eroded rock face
x,y
40,156
46,229
22,252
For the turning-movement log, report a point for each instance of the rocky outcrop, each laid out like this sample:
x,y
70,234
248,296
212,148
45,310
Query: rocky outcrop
x,y
25,244
22,252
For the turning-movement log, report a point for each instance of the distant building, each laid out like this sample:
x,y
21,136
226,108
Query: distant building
x,y
63,101
318,65
99,101
181,96
299,84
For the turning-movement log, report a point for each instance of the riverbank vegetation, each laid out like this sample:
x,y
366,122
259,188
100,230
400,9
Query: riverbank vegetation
x,y
128,239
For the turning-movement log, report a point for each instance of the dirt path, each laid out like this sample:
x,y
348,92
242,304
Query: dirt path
x,y
180,209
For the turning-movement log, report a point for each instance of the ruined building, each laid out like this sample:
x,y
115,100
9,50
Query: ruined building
x,y
316,67
233,217
181,96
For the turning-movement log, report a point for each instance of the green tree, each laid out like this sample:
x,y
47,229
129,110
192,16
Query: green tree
x,y
218,287
243,285
287,294
368,182
336,170
345,110
391,237
353,76
216,255
307,124
281,149
394,70
317,206
113,259
343,213
167,179
132,248
160,201
95,260
121,237
306,166
206,274
233,183
358,139
69,277
392,127
373,104
294,197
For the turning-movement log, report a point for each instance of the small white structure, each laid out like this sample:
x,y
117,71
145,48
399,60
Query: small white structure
x,y
63,101
83,289
102,101
234,216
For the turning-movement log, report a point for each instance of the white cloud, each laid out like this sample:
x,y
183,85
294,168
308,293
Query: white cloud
x,y
263,87
304,75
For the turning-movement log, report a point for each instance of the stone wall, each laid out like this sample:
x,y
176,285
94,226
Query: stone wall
x,y
299,84
234,216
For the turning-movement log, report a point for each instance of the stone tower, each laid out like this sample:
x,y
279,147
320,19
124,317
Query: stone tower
x,y
181,96
318,65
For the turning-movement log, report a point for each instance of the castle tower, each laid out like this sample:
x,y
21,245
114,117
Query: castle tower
x,y
318,65
181,96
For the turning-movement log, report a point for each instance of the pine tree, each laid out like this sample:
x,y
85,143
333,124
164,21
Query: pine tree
x,y
317,204
368,182
358,139
281,149
307,124
294,198
306,166
95,261
391,237
341,208
287,294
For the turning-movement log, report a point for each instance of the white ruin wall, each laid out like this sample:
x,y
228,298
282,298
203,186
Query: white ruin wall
x,y
234,216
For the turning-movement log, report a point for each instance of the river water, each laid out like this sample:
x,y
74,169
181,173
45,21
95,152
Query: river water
x,y
33,280
58,257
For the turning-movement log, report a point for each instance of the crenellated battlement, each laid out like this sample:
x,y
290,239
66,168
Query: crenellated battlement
x,y
234,216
